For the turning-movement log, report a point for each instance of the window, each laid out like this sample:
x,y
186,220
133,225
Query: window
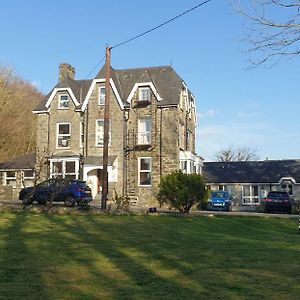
x,y
287,185
222,187
144,131
100,133
11,178
144,171
101,95
63,102
181,131
63,135
81,134
183,166
144,94
250,195
64,169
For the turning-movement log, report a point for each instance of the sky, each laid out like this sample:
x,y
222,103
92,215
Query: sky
x,y
257,108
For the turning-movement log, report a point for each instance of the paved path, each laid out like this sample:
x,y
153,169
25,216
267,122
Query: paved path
x,y
95,204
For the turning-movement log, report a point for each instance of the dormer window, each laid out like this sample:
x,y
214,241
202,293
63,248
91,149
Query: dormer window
x,y
144,94
63,102
101,95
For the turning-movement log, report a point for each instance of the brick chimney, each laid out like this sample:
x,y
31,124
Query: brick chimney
x,y
66,71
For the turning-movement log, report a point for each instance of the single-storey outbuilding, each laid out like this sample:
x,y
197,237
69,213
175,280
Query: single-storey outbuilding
x,y
250,181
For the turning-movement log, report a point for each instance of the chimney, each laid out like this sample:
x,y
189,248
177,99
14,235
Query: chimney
x,y
66,71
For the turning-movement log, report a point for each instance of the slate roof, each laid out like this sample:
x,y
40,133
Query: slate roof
x,y
22,162
268,171
166,81
79,88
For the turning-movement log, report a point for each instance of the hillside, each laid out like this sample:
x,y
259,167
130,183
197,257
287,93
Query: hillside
x,y
17,123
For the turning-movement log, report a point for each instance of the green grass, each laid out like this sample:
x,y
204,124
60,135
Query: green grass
x,y
44,256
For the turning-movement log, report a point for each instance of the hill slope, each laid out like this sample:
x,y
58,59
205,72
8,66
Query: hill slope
x,y
17,123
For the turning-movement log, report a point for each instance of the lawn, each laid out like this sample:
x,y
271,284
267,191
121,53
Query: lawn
x,y
46,256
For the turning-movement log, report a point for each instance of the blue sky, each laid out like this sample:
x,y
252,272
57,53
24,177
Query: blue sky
x,y
258,108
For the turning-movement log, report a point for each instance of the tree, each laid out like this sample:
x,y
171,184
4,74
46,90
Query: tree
x,y
237,154
181,191
272,29
17,100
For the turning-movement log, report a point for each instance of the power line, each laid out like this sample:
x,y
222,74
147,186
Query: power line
x,y
160,25
96,66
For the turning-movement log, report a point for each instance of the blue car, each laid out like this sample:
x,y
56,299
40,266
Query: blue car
x,y
219,200
58,190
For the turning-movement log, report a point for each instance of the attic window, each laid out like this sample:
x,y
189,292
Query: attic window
x,y
144,94
101,95
63,102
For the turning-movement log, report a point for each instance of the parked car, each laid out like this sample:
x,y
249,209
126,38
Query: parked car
x,y
219,200
59,190
277,201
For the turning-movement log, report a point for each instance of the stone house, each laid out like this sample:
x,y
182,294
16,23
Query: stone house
x,y
152,129
250,181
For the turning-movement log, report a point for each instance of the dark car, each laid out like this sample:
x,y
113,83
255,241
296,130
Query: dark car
x,y
278,202
219,200
58,190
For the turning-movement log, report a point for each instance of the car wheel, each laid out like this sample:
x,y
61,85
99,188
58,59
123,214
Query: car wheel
x,y
27,199
70,201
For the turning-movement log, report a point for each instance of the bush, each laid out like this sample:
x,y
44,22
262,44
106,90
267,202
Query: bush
x,y
182,191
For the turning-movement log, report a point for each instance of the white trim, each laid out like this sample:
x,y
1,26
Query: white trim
x,y
143,84
287,178
91,89
56,90
40,111
57,126
63,160
144,171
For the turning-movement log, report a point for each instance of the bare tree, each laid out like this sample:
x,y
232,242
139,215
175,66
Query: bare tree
x,y
236,154
17,100
272,29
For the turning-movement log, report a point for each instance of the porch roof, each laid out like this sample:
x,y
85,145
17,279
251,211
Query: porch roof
x,y
98,160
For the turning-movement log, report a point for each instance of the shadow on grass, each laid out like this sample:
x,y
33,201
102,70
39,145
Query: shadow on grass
x,y
20,269
149,257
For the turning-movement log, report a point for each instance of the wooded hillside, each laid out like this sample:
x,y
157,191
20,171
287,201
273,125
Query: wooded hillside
x,y
17,123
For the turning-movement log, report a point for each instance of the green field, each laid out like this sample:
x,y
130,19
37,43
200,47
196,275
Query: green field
x,y
46,256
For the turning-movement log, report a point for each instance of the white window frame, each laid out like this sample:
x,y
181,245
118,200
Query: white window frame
x,y
144,137
144,171
251,197
144,91
101,97
96,133
64,161
60,101
63,135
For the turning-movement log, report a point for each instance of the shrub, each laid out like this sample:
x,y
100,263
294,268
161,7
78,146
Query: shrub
x,y
182,191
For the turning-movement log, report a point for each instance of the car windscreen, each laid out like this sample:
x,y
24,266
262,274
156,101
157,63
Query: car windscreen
x,y
81,184
278,195
219,195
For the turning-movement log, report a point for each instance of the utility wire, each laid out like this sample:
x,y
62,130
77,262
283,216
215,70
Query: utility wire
x,y
160,25
96,66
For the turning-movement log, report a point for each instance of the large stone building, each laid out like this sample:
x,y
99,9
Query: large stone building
x,y
152,129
